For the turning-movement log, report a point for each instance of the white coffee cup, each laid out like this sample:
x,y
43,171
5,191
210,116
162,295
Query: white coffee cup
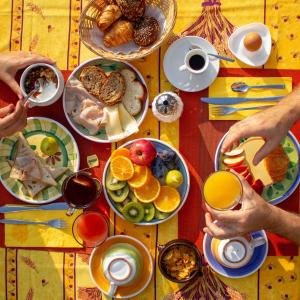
x,y
189,55
235,252
122,265
52,95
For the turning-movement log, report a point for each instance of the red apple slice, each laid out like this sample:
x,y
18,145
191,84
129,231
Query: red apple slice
x,y
249,178
234,152
258,186
234,161
245,173
238,169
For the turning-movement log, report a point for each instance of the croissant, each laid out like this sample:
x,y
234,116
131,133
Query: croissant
x,y
110,14
120,33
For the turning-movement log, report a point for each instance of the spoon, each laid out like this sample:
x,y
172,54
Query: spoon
x,y
242,87
193,46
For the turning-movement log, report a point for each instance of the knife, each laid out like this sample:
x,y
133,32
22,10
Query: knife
x,y
18,208
236,100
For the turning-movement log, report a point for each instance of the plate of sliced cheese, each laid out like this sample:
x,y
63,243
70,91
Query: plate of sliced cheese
x,y
35,162
276,177
105,101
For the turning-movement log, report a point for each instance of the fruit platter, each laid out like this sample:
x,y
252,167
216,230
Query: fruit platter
x,y
146,181
105,101
275,178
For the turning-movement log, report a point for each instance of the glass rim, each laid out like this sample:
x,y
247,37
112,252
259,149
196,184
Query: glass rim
x,y
235,203
106,222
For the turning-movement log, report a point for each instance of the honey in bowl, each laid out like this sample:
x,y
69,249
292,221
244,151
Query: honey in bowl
x,y
252,41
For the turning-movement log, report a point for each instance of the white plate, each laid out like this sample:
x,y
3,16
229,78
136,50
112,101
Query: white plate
x,y
109,66
184,80
236,44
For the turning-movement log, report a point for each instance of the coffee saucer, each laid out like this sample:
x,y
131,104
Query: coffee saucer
x,y
259,255
123,292
236,44
185,80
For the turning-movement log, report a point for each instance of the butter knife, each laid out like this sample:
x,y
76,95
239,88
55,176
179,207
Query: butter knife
x,y
236,100
18,208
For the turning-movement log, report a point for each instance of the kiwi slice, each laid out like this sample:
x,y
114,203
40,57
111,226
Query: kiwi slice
x,y
119,195
130,198
133,212
149,211
114,184
161,215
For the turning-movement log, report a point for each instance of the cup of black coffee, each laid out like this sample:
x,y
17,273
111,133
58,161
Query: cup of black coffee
x,y
196,61
80,190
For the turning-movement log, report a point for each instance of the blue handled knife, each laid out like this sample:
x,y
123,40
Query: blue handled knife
x,y
236,100
18,208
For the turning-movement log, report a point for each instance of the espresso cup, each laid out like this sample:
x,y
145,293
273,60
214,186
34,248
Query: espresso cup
x,y
122,264
191,64
235,252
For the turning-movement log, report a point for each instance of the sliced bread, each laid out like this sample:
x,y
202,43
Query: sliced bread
x,y
134,92
113,89
93,78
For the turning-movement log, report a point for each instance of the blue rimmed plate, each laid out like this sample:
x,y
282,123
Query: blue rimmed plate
x,y
259,255
280,191
183,189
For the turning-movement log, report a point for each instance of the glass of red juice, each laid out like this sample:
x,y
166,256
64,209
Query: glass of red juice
x,y
90,229
80,190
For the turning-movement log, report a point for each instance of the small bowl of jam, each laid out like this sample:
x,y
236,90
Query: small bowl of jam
x,y
46,79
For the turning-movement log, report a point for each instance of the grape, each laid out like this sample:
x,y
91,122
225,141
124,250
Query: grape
x,y
167,155
159,169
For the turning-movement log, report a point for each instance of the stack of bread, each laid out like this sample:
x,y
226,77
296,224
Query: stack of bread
x,y
123,21
106,99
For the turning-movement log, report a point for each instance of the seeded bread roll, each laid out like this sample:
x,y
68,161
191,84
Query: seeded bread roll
x,y
132,9
146,31
92,78
113,89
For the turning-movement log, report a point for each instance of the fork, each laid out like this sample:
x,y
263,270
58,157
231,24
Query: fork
x,y
56,223
226,110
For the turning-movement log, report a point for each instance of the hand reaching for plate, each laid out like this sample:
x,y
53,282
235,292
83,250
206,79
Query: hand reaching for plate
x,y
11,62
271,124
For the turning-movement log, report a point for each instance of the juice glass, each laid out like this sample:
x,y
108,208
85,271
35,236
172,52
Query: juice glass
x,y
222,190
90,229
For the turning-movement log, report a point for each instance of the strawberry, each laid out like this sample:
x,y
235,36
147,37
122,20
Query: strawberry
x,y
249,178
258,186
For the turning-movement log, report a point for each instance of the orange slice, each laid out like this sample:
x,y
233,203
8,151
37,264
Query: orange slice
x,y
142,175
121,152
168,199
121,168
149,192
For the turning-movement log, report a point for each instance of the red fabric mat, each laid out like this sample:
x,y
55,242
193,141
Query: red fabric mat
x,y
199,138
86,147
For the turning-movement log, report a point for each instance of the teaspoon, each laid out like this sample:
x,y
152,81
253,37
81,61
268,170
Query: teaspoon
x,y
242,87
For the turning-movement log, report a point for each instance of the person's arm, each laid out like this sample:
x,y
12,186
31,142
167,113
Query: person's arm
x,y
271,124
255,214
14,117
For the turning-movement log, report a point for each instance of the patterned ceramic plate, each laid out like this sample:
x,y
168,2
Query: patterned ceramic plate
x,y
258,258
183,189
280,191
107,66
35,131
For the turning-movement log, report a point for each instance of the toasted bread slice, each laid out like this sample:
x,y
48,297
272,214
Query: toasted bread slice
x,y
134,93
113,89
93,78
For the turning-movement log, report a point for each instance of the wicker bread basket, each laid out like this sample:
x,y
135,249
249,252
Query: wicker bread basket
x,y
164,11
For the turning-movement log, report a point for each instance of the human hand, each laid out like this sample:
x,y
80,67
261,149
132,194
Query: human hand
x,y
11,62
271,124
12,119
255,214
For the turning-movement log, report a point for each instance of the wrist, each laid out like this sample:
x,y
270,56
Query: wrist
x,y
290,106
271,217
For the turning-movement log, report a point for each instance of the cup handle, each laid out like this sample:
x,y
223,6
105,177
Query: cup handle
x,y
112,289
258,242
99,186
70,211
182,68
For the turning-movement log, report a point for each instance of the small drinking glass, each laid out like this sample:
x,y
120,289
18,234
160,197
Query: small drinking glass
x,y
90,229
80,190
222,190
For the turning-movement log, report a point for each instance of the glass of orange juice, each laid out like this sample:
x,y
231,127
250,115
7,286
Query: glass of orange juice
x,y
222,190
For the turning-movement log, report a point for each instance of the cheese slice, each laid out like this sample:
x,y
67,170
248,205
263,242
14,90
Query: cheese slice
x,y
251,147
128,122
113,126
